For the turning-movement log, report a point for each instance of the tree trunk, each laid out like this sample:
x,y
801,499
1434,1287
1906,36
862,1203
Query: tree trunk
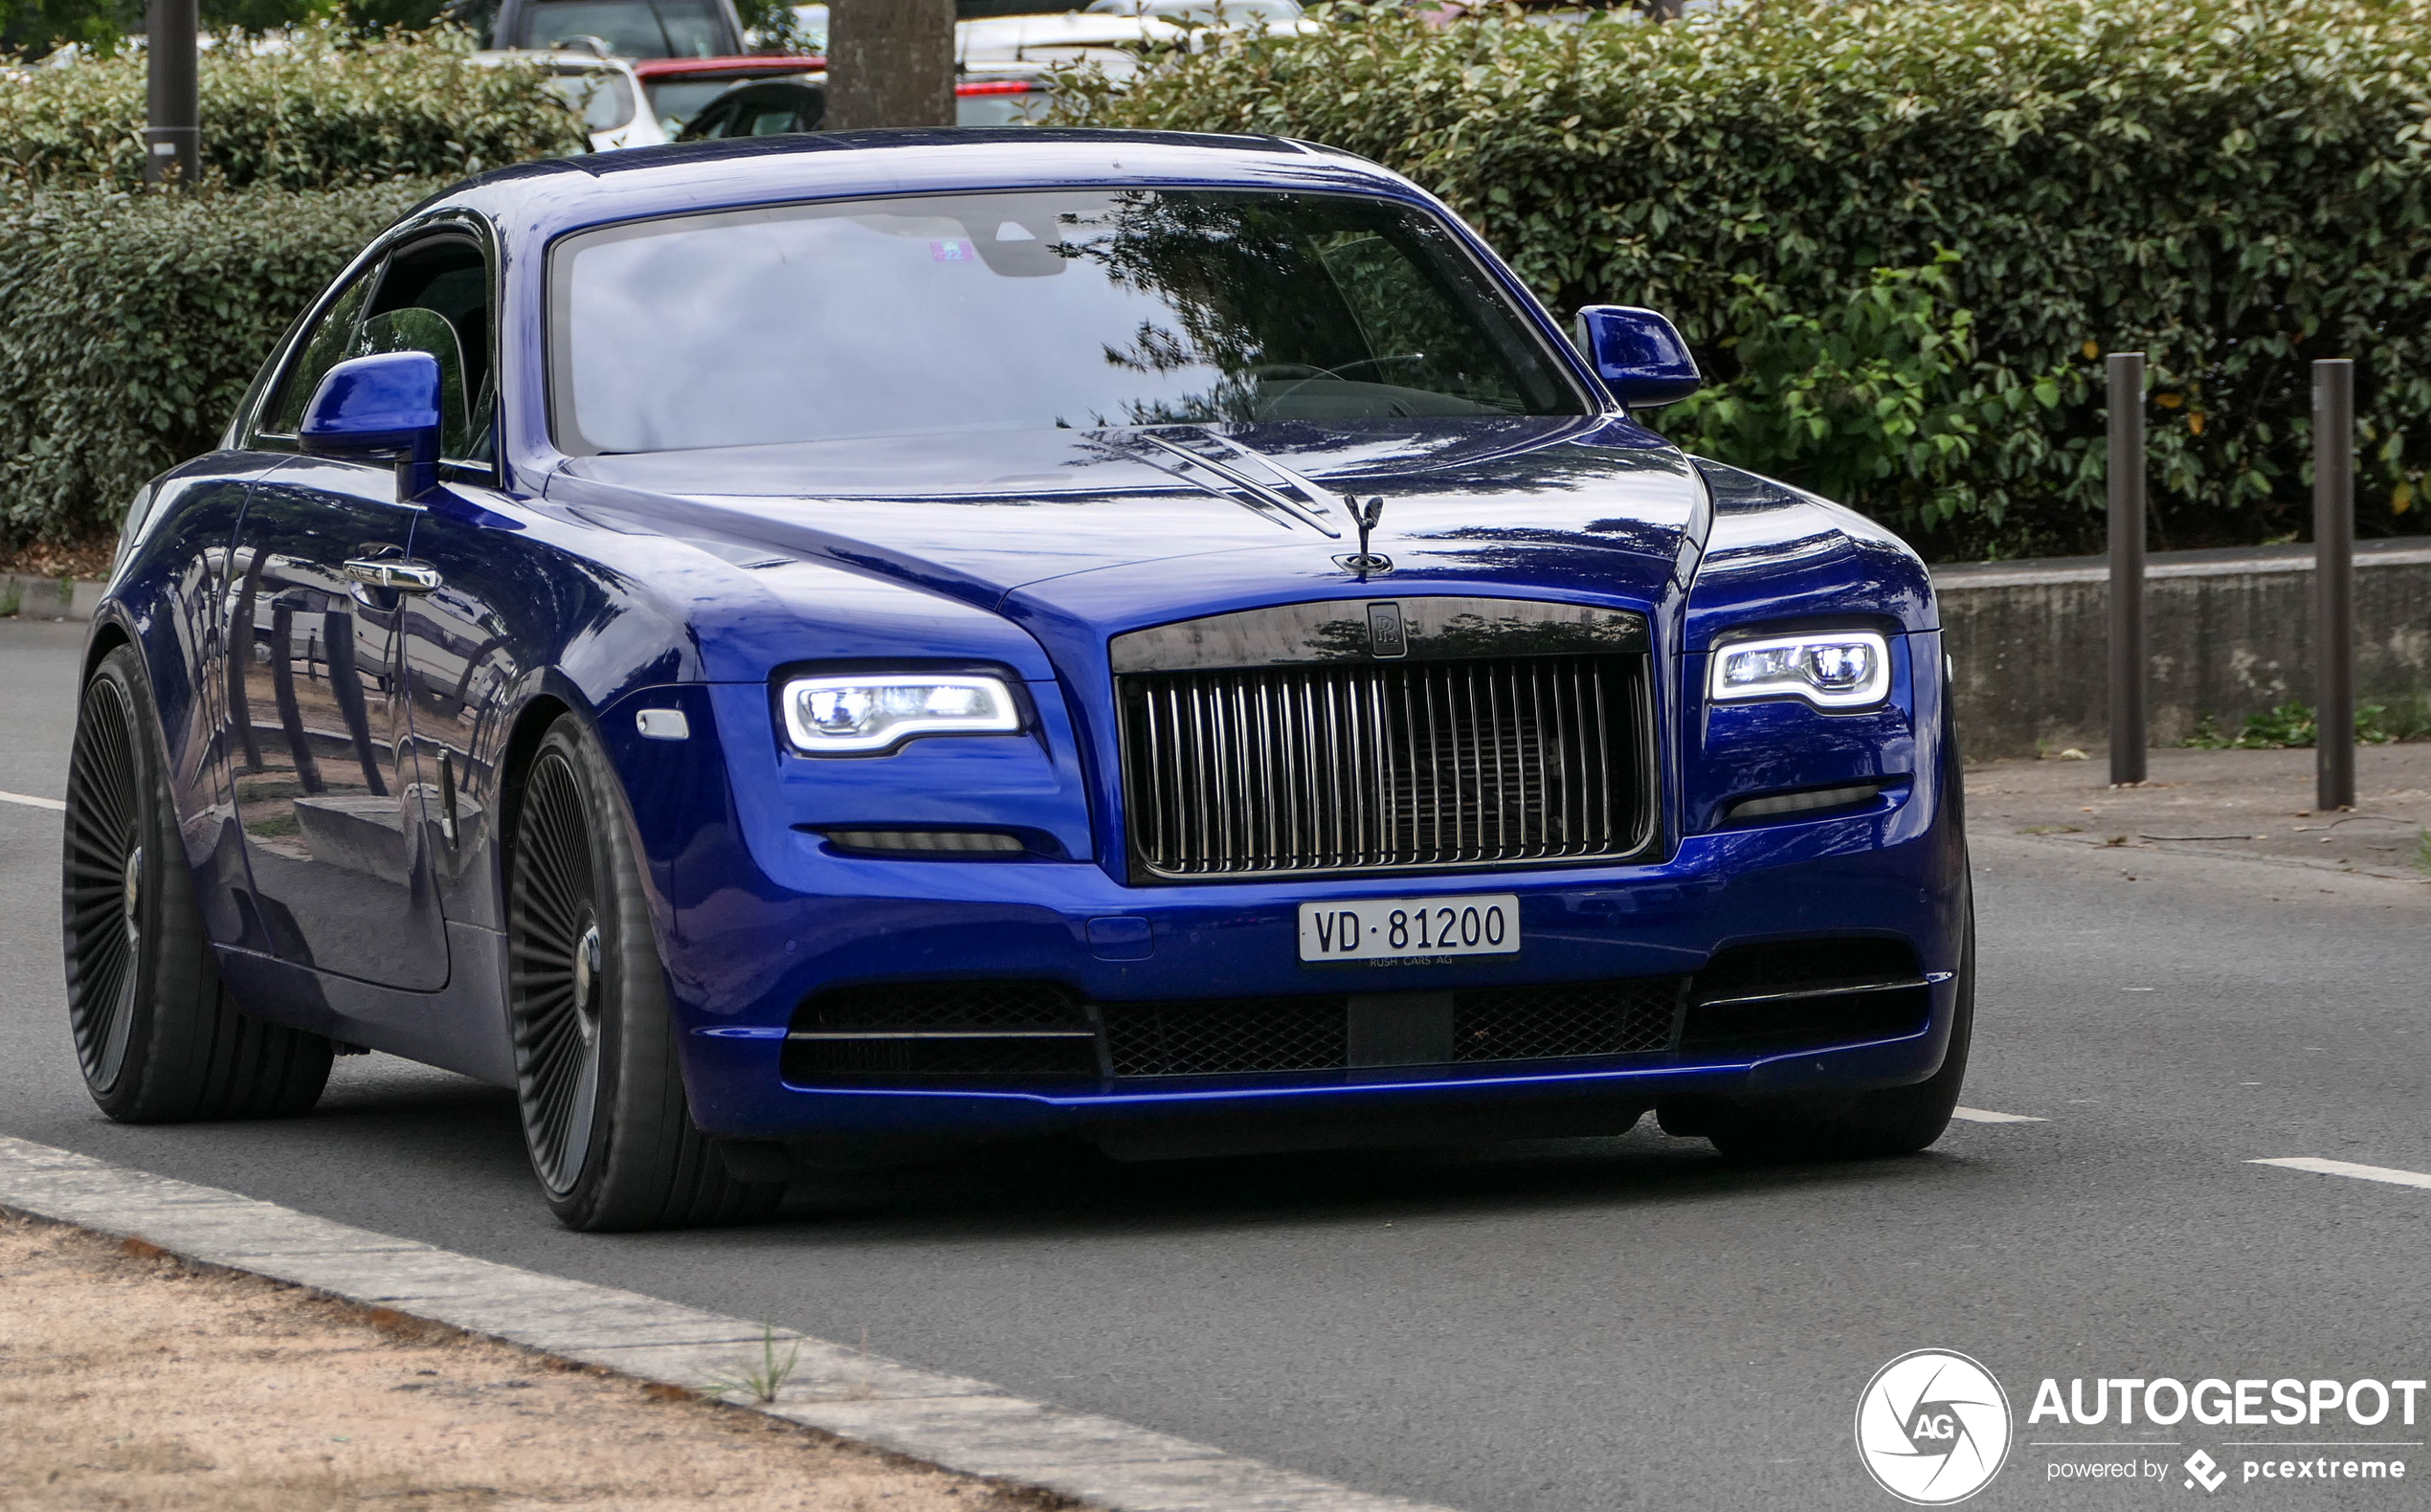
x,y
890,63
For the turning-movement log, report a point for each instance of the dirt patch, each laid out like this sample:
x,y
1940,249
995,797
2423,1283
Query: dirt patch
x,y
128,1381
2248,802
87,560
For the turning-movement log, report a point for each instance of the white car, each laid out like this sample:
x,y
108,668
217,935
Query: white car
x,y
602,90
1110,31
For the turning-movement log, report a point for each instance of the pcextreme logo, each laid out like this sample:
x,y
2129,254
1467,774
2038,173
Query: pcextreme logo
x,y
1933,1426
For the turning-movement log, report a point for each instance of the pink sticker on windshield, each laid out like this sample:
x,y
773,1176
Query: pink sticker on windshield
x,y
950,250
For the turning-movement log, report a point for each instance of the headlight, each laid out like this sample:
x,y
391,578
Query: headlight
x,y
845,715
1840,669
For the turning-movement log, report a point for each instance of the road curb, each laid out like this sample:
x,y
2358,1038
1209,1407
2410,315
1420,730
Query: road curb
x,y
953,1422
29,597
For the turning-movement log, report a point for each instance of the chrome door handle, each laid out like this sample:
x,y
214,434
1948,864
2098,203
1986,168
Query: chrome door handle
x,y
408,577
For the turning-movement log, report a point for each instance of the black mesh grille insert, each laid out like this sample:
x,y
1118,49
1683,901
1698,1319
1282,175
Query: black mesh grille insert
x,y
1226,1035
1568,1018
1825,992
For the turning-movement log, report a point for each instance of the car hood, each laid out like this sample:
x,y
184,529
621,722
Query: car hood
x,y
1088,534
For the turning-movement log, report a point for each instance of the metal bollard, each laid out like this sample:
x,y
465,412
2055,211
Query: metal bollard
x,y
172,133
2126,567
2335,583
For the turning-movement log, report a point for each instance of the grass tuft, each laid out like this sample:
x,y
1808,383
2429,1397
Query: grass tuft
x,y
759,1382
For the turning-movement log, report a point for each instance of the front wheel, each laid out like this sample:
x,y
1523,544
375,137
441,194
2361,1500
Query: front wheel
x,y
605,1118
157,1036
1898,1121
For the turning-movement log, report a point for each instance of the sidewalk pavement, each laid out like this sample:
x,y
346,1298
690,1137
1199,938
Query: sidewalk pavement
x,y
2257,804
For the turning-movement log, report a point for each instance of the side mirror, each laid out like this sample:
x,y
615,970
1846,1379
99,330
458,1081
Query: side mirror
x,y
1638,354
380,408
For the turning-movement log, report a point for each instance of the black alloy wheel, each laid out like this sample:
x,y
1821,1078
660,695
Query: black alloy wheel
x,y
596,1075
105,883
157,1036
556,975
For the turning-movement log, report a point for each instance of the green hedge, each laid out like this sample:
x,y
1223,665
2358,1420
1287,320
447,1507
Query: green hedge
x,y
130,325
1904,234
319,109
131,322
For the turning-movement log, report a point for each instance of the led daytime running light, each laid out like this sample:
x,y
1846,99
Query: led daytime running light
x,y
1842,669
858,715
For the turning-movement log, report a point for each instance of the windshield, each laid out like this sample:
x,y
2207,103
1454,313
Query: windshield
x,y
1061,309
675,101
631,27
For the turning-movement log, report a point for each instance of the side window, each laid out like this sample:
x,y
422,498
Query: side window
x,y
435,298
322,350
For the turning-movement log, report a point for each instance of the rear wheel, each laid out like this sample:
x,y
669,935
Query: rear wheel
x,y
1898,1121
605,1118
157,1036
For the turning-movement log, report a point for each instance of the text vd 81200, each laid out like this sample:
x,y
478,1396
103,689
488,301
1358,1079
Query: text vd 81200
x,y
1386,929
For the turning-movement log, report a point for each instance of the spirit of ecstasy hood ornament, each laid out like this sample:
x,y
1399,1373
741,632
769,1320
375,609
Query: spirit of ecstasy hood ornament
x,y
1363,562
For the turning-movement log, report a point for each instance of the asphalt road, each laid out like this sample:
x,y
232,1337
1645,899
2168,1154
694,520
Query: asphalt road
x,y
1612,1324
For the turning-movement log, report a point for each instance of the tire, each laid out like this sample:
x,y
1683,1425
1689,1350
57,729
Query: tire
x,y
1899,1120
157,1036
605,1118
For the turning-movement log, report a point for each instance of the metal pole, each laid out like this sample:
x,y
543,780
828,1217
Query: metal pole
x,y
2334,582
172,133
2126,567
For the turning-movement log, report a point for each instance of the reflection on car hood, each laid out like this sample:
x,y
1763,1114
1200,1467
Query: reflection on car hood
x,y
1127,527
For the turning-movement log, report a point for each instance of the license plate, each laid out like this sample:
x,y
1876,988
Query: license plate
x,y
1401,929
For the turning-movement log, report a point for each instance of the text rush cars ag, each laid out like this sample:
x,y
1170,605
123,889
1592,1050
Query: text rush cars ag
x,y
827,651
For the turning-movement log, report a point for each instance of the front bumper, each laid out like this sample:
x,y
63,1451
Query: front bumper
x,y
741,967
755,918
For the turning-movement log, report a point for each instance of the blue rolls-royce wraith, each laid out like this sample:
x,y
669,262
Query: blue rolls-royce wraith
x,y
828,651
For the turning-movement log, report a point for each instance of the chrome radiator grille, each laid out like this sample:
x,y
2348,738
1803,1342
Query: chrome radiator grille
x,y
1318,768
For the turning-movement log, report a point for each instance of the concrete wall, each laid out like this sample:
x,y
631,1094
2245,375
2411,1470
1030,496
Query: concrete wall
x,y
2230,635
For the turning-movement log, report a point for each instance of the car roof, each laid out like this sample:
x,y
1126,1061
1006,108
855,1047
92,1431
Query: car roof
x,y
557,195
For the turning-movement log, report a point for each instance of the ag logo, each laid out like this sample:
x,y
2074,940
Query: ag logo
x,y
1933,1427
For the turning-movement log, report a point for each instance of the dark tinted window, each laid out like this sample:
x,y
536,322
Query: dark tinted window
x,y
631,27
760,110
435,297
1028,311
676,100
326,346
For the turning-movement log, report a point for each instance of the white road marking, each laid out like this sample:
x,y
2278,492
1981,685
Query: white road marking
x,y
1987,1116
2346,1168
32,802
